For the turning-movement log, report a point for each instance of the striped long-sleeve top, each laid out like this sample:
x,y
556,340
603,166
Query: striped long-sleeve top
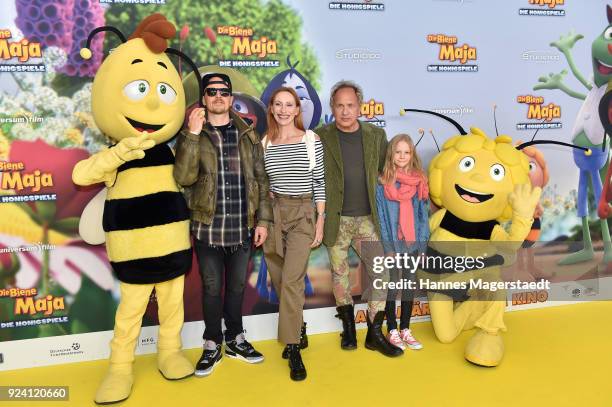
x,y
287,166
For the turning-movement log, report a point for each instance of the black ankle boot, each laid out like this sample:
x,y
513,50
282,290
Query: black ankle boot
x,y
349,334
303,342
297,370
375,340
303,337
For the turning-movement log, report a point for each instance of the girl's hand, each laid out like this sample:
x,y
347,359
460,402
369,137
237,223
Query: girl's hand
x,y
318,238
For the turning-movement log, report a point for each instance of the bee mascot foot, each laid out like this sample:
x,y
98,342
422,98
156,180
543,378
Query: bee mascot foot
x,y
173,365
485,349
116,386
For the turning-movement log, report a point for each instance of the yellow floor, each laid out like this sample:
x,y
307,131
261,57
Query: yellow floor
x,y
557,356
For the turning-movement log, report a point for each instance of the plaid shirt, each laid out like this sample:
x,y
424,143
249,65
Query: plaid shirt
x,y
229,224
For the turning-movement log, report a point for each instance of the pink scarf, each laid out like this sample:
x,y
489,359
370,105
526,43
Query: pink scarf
x,y
410,184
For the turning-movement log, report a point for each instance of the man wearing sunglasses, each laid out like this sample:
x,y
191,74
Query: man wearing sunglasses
x,y
219,161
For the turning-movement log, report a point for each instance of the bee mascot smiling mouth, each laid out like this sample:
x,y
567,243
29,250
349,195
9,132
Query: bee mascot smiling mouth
x,y
138,101
477,182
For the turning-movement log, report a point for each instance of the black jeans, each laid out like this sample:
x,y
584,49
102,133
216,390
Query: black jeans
x,y
217,262
406,301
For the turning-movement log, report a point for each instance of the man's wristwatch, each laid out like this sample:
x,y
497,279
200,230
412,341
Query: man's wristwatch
x,y
321,215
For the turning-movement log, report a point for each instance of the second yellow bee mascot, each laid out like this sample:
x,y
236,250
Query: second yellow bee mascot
x,y
139,103
477,182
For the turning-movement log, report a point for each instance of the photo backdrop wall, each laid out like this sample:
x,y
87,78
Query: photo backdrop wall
x,y
460,58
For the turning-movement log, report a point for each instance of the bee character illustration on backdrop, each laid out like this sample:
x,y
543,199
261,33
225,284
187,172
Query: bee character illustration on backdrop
x,y
309,99
138,101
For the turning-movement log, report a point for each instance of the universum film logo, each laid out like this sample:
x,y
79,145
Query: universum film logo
x,y
456,56
548,8
454,111
246,45
365,5
545,114
21,50
371,112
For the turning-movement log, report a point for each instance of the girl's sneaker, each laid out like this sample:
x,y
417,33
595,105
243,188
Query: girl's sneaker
x,y
406,336
394,339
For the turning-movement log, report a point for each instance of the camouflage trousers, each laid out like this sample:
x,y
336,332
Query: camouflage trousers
x,y
358,232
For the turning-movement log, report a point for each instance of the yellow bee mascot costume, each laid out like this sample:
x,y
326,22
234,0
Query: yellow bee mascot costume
x,y
138,101
477,182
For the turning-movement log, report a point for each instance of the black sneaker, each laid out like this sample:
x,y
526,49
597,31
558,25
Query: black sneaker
x,y
241,349
210,358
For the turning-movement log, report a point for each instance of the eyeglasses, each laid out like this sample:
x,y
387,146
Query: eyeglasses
x,y
212,92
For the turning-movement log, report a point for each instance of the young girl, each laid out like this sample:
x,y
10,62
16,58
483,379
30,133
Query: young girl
x,y
402,199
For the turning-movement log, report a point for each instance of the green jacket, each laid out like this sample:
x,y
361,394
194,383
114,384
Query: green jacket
x,y
196,170
374,151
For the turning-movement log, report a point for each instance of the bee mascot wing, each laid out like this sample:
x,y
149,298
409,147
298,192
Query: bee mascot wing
x,y
90,224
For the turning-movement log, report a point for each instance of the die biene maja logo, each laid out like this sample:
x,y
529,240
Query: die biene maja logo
x,y
548,8
246,45
544,113
456,56
27,304
371,112
20,50
14,177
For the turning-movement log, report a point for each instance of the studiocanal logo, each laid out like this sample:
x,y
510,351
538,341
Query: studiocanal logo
x,y
540,57
21,51
456,56
365,5
543,113
548,8
358,55
246,45
372,111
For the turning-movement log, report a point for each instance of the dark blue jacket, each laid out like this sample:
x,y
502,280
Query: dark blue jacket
x,y
388,213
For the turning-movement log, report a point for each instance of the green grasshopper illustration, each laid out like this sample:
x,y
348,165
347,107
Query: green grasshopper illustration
x,y
588,131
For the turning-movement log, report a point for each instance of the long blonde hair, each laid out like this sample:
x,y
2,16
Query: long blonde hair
x,y
388,173
273,130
